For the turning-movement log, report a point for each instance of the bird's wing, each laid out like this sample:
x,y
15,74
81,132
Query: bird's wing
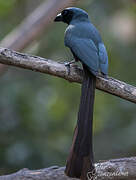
x,y
103,58
86,51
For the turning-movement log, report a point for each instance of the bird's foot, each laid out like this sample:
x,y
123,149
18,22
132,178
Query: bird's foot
x,y
68,67
67,64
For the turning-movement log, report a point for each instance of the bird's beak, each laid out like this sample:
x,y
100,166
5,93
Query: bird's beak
x,y
58,18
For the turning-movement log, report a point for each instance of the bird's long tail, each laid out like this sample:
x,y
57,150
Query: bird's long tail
x,y
80,160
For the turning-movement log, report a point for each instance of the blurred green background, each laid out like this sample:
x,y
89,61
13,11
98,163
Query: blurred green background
x,y
38,112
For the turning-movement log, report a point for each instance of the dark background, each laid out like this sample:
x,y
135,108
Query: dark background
x,y
38,112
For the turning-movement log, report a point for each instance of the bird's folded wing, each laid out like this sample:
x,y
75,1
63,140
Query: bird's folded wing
x,y
103,58
86,51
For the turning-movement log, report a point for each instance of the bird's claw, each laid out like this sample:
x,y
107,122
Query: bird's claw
x,y
67,64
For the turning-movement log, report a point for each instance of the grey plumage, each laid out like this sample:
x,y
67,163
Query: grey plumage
x,y
85,41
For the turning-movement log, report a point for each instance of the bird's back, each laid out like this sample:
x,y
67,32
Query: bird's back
x,y
84,30
84,40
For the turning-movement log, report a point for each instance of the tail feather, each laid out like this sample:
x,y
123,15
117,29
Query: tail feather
x,y
80,160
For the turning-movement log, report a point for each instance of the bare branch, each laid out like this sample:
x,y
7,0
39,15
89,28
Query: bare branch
x,y
33,26
114,169
110,85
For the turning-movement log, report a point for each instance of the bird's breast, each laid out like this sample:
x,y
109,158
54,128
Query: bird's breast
x,y
69,34
73,32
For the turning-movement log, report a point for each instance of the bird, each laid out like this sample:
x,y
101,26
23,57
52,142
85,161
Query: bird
x,y
86,45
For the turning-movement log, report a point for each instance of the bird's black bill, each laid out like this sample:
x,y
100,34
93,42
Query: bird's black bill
x,y
58,18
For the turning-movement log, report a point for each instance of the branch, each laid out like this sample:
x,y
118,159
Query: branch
x,y
110,85
34,25
124,168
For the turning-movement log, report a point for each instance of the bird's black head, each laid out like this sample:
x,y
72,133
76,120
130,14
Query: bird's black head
x,y
65,16
69,14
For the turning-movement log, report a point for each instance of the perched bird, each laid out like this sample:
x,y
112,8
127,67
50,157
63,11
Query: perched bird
x,y
86,45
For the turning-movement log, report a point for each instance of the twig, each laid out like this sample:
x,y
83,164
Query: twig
x,y
34,25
